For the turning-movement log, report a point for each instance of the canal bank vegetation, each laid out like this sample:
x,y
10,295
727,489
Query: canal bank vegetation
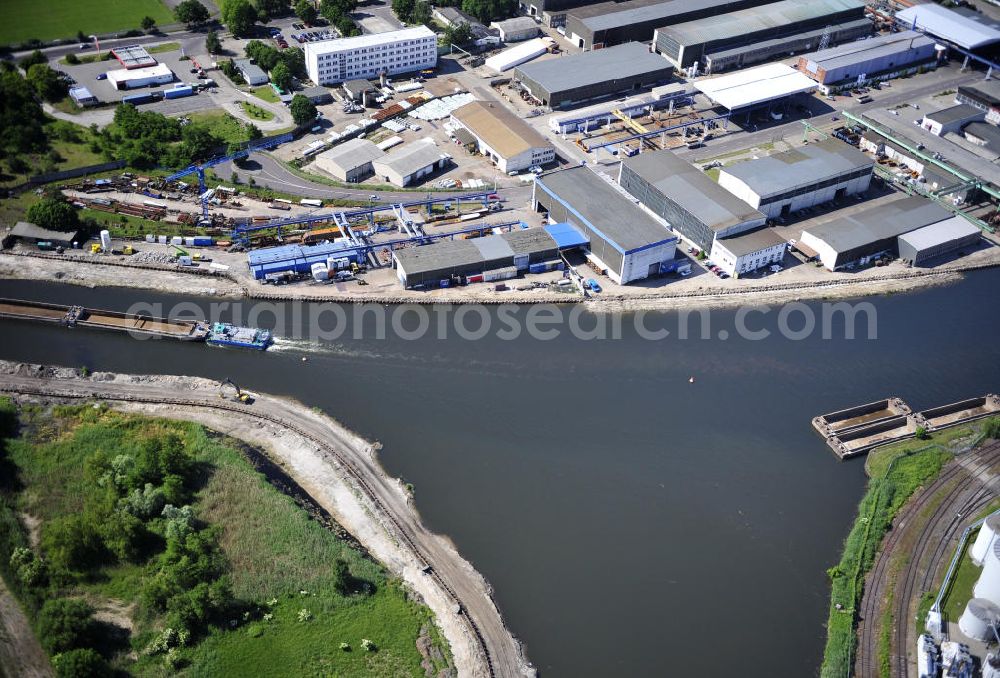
x,y
149,547
895,473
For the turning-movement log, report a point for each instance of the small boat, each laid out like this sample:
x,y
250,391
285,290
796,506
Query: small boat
x,y
224,334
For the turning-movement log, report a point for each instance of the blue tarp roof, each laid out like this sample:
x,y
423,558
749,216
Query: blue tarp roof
x,y
566,235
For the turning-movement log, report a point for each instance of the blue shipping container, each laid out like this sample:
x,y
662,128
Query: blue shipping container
x,y
178,92
136,99
202,241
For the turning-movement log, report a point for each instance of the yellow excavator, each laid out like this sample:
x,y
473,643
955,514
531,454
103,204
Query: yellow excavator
x,y
228,390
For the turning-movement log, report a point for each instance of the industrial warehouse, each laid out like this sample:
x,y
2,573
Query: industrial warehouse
x,y
856,239
736,39
503,137
560,82
350,161
613,23
793,180
687,199
488,259
748,89
410,164
626,241
880,58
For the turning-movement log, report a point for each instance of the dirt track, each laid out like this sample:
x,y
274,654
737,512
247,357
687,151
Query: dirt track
x,y
341,473
20,654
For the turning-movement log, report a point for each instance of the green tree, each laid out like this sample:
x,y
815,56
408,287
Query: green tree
x,y
54,214
35,57
253,132
47,83
71,544
305,11
302,109
239,16
148,23
490,10
191,12
199,142
64,625
403,9
347,27
421,12
457,34
335,10
271,7
282,77
212,43
72,59
81,663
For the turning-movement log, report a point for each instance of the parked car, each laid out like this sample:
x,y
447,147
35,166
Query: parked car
x,y
593,286
102,76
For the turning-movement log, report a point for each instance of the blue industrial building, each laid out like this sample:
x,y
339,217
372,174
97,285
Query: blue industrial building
x,y
297,258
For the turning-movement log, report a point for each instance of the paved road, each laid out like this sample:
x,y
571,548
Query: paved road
x,y
505,654
266,171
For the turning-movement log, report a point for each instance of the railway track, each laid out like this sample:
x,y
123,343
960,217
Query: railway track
x,y
949,515
498,658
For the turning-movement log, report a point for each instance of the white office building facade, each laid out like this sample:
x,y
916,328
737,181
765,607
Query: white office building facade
x,y
368,56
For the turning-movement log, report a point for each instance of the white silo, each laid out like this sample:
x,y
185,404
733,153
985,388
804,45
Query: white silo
x,y
987,533
988,586
105,241
991,666
320,272
977,619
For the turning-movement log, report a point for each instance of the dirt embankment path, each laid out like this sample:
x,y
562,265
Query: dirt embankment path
x,y
704,291
20,654
341,473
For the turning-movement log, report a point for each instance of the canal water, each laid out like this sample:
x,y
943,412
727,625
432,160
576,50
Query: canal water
x,y
632,521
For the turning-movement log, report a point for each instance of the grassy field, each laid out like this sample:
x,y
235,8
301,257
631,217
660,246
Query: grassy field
x,y
266,92
69,147
221,124
27,19
279,559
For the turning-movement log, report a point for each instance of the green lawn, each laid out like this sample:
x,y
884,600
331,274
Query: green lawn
x,y
266,92
256,112
279,558
27,19
165,47
69,147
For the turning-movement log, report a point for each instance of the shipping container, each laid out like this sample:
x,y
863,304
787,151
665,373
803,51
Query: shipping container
x,y
478,278
177,240
445,283
189,242
150,238
308,202
505,273
178,92
136,99
202,241
162,239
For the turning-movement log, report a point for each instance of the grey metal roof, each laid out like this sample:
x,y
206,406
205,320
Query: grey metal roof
x,y
878,223
587,68
845,27
692,190
861,51
954,114
25,229
752,241
988,91
772,16
940,233
438,256
515,25
605,15
411,158
493,249
605,208
968,31
530,241
987,132
801,166
249,69
351,154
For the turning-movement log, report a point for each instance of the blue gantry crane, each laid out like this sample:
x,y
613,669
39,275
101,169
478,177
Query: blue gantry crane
x,y
260,145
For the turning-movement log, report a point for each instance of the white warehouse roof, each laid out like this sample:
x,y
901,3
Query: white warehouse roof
x,y
939,233
517,55
755,86
126,74
965,31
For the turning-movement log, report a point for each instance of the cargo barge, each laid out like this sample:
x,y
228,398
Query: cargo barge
x,y
217,334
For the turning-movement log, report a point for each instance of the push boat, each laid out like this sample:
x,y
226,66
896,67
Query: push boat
x,y
234,336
